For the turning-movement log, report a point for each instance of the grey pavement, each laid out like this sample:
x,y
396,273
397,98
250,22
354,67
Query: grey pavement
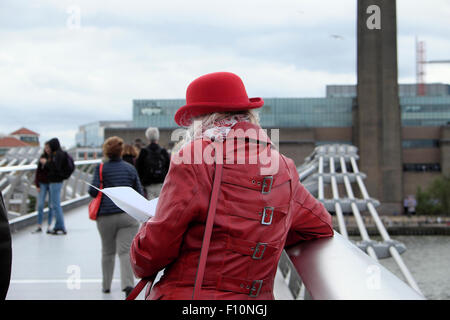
x,y
58,267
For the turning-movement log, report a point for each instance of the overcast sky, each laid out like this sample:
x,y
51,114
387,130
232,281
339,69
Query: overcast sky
x,y
58,72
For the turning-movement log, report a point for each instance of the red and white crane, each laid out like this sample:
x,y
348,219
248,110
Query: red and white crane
x,y
420,66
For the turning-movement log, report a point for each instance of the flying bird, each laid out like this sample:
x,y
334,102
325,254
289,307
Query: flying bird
x,y
337,37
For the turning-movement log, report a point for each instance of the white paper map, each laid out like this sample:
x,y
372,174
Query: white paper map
x,y
130,201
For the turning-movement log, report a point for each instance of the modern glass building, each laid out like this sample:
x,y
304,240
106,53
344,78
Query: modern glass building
x,y
155,113
276,112
427,111
404,90
306,112
92,134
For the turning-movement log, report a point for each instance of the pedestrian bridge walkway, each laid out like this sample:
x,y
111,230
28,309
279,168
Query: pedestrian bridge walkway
x,y
69,267
58,267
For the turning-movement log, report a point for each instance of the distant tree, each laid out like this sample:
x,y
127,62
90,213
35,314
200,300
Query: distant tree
x,y
435,200
440,191
425,204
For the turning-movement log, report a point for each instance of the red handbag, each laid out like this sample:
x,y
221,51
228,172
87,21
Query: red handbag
x,y
94,205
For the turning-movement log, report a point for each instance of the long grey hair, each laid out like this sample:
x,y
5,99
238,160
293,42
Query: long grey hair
x,y
200,124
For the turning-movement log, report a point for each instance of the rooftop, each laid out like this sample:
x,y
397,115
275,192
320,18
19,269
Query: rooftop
x,y
11,142
24,130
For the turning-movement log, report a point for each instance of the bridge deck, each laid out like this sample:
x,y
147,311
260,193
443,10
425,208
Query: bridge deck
x,y
45,266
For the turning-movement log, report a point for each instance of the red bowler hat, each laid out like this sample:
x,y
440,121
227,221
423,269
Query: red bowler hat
x,y
215,92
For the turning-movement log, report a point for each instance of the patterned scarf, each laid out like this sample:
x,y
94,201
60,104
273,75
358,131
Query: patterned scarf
x,y
222,127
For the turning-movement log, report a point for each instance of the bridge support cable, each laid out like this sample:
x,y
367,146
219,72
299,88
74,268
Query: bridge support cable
x,y
337,205
383,232
355,210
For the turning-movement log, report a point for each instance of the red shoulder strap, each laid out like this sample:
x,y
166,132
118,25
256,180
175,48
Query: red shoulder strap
x,y
101,175
141,285
208,230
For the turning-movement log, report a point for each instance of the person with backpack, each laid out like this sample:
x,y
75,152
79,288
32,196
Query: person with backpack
x,y
152,164
59,166
42,186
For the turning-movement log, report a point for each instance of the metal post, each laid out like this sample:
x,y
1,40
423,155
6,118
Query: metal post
x,y
357,214
337,205
304,174
320,178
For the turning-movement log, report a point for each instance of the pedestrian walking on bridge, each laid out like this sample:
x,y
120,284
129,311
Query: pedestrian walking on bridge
x,y
54,165
117,229
43,189
152,164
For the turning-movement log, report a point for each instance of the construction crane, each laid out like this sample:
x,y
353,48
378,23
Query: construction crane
x,y
438,61
420,66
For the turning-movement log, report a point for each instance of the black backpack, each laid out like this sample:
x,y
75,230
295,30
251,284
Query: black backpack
x,y
155,169
68,166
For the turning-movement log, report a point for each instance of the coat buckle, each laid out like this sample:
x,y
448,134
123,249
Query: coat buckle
x,y
256,285
267,215
259,252
267,186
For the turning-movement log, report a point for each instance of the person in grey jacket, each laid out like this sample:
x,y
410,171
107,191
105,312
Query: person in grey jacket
x,y
117,229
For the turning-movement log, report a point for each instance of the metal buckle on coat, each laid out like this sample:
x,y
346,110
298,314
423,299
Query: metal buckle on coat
x,y
260,251
265,215
265,185
253,288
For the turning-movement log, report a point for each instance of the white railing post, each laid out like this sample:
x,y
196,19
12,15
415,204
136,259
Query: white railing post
x,y
337,205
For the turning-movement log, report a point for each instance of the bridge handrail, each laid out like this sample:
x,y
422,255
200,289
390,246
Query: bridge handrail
x,y
331,268
29,167
336,269
17,184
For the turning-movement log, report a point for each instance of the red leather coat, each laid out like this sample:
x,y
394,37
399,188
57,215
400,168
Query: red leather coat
x,y
257,216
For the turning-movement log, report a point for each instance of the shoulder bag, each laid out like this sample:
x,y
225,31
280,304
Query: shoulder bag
x,y
94,205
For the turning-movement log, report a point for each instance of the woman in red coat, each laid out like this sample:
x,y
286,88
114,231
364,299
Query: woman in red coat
x,y
262,207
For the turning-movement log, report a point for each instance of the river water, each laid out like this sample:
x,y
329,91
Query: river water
x,y
428,260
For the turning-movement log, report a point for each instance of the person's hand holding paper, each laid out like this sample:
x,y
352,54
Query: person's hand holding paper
x,y
131,202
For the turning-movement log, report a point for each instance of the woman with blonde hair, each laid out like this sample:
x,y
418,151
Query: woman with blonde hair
x,y
220,227
116,228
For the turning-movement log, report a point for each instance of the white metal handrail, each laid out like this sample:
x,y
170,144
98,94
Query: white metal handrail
x,y
17,183
33,166
335,269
